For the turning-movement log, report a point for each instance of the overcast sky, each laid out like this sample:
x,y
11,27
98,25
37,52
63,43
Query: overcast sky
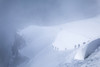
x,y
46,12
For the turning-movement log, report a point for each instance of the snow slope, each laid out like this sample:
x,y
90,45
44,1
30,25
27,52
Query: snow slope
x,y
83,30
89,29
37,38
92,61
47,58
68,40
70,34
86,50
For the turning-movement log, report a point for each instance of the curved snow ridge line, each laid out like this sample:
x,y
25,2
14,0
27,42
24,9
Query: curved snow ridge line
x,y
87,50
93,60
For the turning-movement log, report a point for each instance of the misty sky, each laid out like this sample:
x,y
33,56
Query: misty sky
x,y
46,12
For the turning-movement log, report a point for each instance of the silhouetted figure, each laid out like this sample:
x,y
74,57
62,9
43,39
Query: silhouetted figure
x,y
84,42
65,48
57,49
78,45
75,46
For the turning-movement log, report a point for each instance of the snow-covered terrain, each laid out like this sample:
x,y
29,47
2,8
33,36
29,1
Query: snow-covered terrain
x,y
49,33
83,30
64,42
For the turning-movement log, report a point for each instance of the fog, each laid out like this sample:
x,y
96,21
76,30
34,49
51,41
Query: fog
x,y
17,15
47,12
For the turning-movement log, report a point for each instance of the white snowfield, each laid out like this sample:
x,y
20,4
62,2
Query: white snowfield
x,y
75,33
67,40
74,41
81,35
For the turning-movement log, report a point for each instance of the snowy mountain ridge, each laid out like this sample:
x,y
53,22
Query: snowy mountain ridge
x,y
63,36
